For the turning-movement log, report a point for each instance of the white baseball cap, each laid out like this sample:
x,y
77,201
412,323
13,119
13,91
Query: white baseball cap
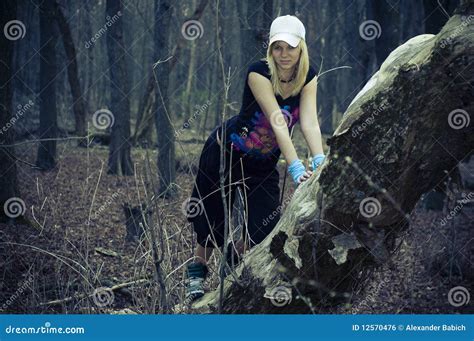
x,y
287,28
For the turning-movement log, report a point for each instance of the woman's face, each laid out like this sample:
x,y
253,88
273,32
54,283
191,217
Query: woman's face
x,y
285,55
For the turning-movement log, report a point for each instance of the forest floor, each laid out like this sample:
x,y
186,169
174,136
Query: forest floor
x,y
72,244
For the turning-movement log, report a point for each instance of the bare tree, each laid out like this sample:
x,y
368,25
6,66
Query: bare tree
x,y
120,161
164,128
8,174
46,158
79,104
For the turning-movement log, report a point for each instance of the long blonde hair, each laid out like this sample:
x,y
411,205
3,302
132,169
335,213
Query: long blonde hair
x,y
302,68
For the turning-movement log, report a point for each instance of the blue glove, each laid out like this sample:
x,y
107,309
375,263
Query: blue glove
x,y
317,160
296,169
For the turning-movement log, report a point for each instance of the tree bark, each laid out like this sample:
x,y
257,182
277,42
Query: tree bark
x,y
144,119
46,158
396,141
8,174
164,128
120,161
145,115
79,104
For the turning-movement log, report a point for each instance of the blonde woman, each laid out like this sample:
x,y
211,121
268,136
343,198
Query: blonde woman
x,y
279,91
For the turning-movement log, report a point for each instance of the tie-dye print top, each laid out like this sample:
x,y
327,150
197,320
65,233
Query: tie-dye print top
x,y
250,132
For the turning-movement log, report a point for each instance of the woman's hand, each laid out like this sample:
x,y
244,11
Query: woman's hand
x,y
318,159
306,175
298,171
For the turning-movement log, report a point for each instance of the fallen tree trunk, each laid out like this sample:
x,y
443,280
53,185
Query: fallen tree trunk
x,y
401,136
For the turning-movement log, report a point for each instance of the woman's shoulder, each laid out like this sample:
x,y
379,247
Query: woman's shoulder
x,y
310,74
260,67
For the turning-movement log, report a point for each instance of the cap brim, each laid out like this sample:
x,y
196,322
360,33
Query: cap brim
x,y
286,37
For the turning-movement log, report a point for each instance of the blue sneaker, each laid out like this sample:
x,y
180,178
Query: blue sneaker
x,y
196,275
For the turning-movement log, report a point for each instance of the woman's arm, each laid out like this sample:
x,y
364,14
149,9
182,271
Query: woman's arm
x,y
263,92
309,118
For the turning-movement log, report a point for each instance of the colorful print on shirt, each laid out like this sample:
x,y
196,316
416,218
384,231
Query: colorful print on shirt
x,y
259,140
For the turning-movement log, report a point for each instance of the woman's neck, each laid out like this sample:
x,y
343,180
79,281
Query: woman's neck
x,y
286,74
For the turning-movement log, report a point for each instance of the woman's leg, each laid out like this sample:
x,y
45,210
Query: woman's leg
x,y
202,254
263,199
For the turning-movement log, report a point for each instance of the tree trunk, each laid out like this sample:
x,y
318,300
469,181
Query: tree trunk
x,y
189,82
164,128
79,104
395,142
8,174
120,161
145,119
145,115
46,158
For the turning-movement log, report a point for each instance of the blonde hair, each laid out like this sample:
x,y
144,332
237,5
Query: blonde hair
x,y
302,68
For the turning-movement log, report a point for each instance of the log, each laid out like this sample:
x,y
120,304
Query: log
x,y
396,141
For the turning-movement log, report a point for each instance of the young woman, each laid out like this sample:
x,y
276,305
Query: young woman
x,y
280,90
